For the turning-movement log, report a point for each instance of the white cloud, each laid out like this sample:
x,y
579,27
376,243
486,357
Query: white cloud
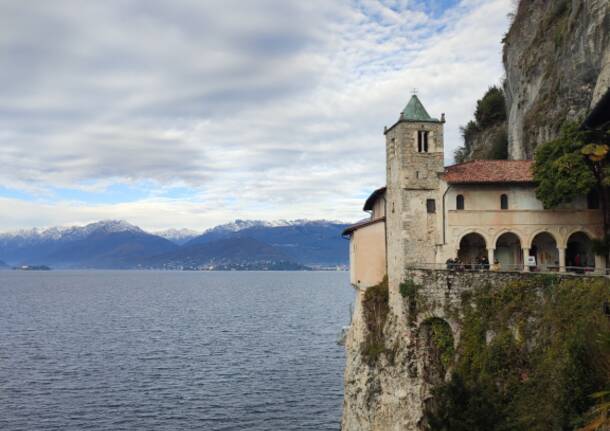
x,y
275,107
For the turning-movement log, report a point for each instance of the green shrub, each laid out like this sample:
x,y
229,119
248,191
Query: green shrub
x,y
409,289
375,308
441,339
490,112
491,109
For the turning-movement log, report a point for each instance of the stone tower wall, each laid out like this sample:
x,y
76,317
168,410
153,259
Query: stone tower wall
x,y
412,179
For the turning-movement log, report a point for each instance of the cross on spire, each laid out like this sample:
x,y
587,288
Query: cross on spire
x,y
414,91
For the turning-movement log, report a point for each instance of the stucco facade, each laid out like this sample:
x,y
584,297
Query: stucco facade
x,y
367,255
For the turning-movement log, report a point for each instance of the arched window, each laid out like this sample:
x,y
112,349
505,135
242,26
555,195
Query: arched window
x,y
504,202
459,202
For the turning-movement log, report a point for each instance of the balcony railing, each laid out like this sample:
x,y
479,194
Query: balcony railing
x,y
540,269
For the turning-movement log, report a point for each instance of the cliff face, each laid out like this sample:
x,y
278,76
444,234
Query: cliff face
x,y
390,391
557,61
465,351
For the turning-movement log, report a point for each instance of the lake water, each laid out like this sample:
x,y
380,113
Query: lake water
x,y
127,350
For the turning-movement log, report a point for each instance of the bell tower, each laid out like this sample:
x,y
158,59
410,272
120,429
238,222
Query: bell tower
x,y
414,164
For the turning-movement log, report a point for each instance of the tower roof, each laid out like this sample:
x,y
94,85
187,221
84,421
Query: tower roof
x,y
415,111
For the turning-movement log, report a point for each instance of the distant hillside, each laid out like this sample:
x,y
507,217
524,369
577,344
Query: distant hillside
x,y
3,265
226,253
239,245
310,243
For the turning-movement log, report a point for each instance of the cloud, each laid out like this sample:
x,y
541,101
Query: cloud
x,y
260,109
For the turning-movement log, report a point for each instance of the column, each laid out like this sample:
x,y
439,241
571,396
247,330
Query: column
x,y
562,259
491,257
600,264
526,254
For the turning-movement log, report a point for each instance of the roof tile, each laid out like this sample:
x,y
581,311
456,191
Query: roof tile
x,y
490,171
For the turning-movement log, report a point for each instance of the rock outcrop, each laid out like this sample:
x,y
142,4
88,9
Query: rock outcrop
x,y
557,61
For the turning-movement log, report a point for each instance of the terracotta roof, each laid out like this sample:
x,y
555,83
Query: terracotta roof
x,y
490,171
370,202
362,223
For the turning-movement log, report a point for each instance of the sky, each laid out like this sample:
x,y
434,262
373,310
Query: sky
x,y
190,113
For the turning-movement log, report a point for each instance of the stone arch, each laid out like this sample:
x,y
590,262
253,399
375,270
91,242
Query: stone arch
x,y
508,250
543,245
470,231
556,236
471,245
579,251
504,231
436,344
564,240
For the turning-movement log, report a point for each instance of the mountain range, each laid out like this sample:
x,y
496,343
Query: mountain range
x,y
241,245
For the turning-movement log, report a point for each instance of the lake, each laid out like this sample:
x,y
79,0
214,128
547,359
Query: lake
x,y
126,350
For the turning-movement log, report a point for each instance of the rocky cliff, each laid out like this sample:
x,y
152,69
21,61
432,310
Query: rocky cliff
x,y
557,61
465,351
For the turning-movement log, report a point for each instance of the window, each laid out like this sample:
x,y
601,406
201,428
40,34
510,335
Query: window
x,y
504,202
431,206
422,141
459,202
593,200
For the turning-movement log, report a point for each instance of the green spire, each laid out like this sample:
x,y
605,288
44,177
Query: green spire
x,y
415,111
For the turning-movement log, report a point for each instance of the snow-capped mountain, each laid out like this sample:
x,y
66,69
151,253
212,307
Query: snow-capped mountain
x,y
70,232
177,236
242,244
108,243
239,225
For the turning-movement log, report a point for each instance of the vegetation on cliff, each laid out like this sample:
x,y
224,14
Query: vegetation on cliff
x,y
575,164
486,136
530,356
375,308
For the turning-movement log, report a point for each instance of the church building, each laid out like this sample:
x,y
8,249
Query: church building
x,y
429,215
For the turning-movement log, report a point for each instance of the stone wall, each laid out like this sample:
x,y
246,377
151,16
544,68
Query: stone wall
x,y
390,393
412,179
